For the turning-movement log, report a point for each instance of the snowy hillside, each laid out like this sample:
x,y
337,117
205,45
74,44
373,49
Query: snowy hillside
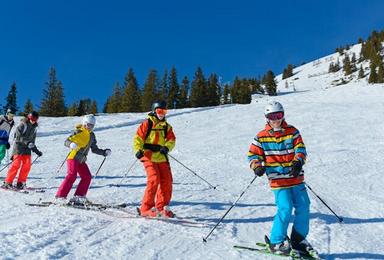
x,y
343,132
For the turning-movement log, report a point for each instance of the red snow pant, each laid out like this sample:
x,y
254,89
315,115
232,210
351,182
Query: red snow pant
x,y
159,186
73,168
22,162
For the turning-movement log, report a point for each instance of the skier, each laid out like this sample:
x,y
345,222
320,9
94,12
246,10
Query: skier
x,y
6,124
79,142
279,151
25,136
153,140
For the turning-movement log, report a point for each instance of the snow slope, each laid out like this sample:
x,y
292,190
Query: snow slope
x,y
343,132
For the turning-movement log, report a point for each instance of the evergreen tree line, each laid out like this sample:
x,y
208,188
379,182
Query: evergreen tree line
x,y
202,91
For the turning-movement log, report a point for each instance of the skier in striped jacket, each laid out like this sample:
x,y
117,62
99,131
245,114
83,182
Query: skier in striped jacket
x,y
279,152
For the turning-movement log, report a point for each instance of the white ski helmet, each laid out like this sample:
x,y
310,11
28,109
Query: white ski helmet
x,y
273,107
89,120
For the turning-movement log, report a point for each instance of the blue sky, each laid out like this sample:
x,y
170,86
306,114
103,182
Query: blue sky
x,y
93,43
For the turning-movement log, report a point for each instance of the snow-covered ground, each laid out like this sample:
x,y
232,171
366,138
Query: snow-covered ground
x,y
342,128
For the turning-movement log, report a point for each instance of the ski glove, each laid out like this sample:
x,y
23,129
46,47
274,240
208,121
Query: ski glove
x,y
164,150
107,152
296,168
259,171
139,154
7,146
31,145
37,152
73,146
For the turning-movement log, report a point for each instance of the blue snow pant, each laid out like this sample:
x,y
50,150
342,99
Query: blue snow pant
x,y
287,199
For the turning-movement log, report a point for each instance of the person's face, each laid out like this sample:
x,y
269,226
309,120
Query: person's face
x,y
10,116
275,123
160,113
89,126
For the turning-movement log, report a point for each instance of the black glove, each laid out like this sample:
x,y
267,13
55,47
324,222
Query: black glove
x,y
37,152
296,168
139,154
7,146
164,150
259,171
107,152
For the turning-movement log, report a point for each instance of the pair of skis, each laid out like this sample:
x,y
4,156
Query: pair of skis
x,y
121,211
26,190
263,248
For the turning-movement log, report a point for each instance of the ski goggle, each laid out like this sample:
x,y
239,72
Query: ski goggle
x,y
89,126
161,111
275,116
33,118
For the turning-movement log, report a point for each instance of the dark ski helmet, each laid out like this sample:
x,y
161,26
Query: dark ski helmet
x,y
33,116
10,111
159,104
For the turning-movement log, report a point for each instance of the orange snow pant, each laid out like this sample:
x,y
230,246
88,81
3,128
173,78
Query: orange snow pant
x,y
158,192
22,162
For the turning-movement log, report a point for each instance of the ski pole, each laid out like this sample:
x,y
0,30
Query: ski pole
x,y
126,174
233,204
214,187
97,172
6,166
61,166
35,160
339,218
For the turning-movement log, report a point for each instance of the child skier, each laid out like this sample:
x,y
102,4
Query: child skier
x,y
6,124
25,136
279,151
153,140
80,142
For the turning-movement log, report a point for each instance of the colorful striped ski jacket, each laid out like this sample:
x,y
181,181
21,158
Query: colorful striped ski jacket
x,y
276,150
150,137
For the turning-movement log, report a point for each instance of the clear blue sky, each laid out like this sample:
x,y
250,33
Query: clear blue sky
x,y
92,43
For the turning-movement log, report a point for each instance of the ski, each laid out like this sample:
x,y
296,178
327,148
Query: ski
x,y
87,206
265,251
303,255
26,190
174,220
16,190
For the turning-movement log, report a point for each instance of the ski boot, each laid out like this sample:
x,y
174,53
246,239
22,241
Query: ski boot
x,y
301,246
282,248
21,186
167,213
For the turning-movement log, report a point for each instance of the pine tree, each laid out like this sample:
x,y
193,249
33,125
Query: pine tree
x,y
227,94
373,75
288,72
131,101
353,60
93,108
84,107
199,90
164,88
53,103
184,93
114,102
361,72
241,92
173,100
11,99
150,90
73,109
214,91
380,73
347,65
28,107
270,83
